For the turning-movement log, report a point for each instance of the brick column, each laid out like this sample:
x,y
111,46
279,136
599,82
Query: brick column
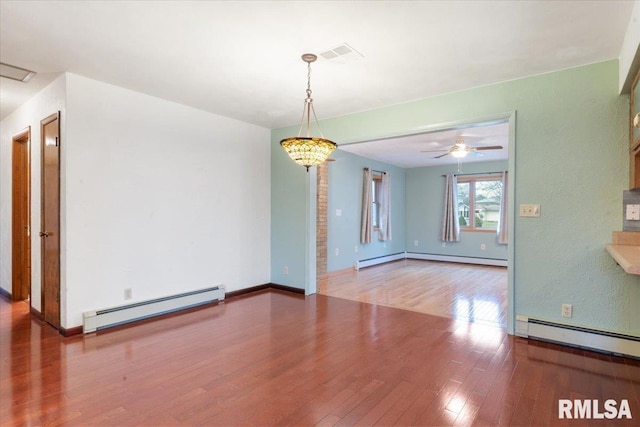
x,y
321,220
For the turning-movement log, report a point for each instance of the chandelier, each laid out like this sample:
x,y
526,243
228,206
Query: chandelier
x,y
308,150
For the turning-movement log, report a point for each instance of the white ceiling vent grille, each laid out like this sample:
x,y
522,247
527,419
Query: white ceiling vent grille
x,y
15,73
342,54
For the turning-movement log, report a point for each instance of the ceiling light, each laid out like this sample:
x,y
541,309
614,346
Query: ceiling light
x,y
459,150
307,150
15,73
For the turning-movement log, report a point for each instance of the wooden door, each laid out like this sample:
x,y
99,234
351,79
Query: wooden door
x,y
21,216
50,227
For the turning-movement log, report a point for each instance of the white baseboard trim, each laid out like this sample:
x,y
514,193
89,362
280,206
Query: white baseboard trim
x,y
379,260
459,259
591,339
429,257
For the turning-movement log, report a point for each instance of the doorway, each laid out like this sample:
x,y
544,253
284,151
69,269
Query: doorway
x,y
50,219
491,140
21,216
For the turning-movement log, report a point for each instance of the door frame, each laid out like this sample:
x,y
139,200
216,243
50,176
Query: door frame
x,y
43,123
506,117
22,137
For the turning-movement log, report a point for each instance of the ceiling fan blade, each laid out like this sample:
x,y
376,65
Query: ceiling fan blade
x,y
433,151
441,155
489,147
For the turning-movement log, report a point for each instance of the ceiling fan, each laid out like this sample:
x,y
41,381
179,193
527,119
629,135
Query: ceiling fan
x,y
460,149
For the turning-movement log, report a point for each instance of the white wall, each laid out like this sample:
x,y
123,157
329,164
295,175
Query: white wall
x,y
45,103
160,197
156,196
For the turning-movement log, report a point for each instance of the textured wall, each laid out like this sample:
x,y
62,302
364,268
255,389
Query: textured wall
x,y
425,204
291,227
345,193
571,157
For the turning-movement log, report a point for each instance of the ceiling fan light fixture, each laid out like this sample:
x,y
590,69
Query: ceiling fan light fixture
x,y
460,149
307,150
459,153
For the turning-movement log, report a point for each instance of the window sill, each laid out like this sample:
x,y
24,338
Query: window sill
x,y
479,230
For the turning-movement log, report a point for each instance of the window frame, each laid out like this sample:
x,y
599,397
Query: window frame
x,y
471,180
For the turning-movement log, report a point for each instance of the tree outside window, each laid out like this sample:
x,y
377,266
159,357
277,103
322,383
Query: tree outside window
x,y
479,203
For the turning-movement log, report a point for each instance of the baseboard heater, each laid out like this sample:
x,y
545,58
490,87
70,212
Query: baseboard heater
x,y
429,257
109,317
379,260
608,342
459,259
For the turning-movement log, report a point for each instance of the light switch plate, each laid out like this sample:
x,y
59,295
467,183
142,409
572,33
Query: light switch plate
x,y
530,211
633,213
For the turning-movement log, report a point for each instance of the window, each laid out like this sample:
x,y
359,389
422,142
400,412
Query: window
x,y
479,203
376,184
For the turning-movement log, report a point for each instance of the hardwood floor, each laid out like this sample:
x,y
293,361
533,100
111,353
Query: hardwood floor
x,y
277,358
476,293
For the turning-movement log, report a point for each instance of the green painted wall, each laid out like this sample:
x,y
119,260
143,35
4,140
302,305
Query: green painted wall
x,y
570,157
289,227
345,193
425,205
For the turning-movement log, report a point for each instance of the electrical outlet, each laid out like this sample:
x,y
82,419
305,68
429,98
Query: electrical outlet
x,y
567,310
285,270
127,293
337,251
483,247
356,248
633,213
415,243
444,244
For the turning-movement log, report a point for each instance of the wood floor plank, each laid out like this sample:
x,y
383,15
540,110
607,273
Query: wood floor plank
x,y
272,358
474,293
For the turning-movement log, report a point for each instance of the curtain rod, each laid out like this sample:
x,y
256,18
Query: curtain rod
x,y
478,173
373,170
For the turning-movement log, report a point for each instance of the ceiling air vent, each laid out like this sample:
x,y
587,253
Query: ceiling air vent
x,y
342,53
15,73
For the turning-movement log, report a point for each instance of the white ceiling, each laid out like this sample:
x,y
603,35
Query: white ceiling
x,y
407,151
241,59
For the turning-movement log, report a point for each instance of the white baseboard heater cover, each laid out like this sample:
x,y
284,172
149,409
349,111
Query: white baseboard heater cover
x,y
459,259
109,317
591,339
379,260
429,257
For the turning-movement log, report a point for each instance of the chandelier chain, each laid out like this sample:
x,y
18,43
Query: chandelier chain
x,y
309,82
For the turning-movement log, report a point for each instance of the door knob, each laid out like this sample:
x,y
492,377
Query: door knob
x,y
44,234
